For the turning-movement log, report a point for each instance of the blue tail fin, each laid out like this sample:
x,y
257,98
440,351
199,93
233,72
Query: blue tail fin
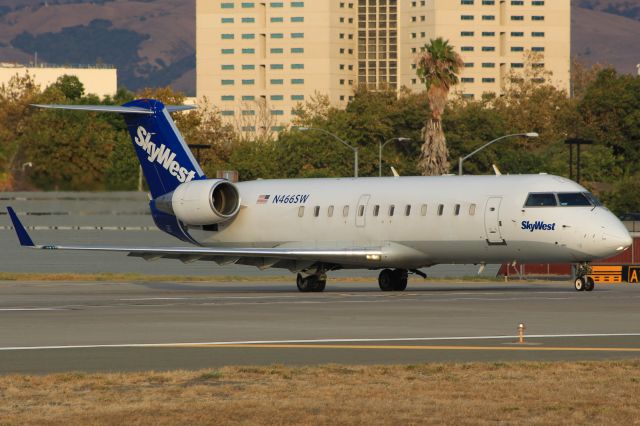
x,y
164,156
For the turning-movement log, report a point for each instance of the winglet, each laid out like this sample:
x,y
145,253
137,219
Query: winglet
x,y
23,236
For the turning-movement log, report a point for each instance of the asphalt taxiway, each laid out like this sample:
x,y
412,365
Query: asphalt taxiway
x,y
104,326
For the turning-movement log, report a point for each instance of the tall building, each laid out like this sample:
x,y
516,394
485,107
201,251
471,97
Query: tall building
x,y
257,59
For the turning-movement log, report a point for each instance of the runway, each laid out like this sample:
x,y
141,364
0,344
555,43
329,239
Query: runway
x,y
102,326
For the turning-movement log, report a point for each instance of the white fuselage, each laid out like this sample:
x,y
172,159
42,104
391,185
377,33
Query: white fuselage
x,y
444,219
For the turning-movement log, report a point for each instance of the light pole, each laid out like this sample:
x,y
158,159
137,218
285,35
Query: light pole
x,y
461,159
382,145
353,148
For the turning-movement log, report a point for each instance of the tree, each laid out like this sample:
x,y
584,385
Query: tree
x,y
438,66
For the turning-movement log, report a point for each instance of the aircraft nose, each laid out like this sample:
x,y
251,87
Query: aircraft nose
x,y
621,242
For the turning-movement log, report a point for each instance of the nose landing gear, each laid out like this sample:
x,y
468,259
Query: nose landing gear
x,y
583,280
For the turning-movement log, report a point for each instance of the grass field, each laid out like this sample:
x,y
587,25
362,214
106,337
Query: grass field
x,y
532,393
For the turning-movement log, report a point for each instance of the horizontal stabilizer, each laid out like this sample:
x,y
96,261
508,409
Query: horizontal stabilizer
x,y
113,108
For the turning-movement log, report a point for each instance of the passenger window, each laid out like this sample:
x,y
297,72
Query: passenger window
x,y
440,209
573,199
330,211
472,209
407,210
345,211
316,211
541,200
360,211
392,209
376,210
300,211
456,210
423,210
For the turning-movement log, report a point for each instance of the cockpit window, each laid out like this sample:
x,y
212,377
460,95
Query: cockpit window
x,y
541,200
592,198
573,199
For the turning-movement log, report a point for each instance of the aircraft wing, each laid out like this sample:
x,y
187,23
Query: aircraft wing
x,y
291,258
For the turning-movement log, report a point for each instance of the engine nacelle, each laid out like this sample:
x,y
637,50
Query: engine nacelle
x,y
201,202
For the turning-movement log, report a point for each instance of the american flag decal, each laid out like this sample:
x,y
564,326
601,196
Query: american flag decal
x,y
263,199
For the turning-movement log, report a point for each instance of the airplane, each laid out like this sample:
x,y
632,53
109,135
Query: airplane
x,y
397,225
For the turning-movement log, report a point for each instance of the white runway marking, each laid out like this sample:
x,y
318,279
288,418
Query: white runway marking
x,y
30,309
259,342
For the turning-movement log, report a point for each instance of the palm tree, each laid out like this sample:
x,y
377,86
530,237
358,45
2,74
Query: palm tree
x,y
438,66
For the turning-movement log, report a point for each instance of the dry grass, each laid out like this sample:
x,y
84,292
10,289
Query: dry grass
x,y
535,393
111,277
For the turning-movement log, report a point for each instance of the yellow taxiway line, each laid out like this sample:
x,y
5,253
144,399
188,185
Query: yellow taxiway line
x,y
514,347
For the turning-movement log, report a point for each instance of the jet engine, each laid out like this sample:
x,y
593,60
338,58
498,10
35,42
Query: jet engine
x,y
201,202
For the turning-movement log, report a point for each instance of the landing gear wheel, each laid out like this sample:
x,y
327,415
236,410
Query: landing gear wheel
x,y
303,284
319,286
580,284
400,277
386,280
590,284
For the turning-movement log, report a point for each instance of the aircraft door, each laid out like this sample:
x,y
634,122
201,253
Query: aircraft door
x,y
492,222
361,210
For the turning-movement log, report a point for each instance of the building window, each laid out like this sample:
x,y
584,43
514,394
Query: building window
x,y
277,112
488,34
276,50
537,49
227,5
248,82
297,66
465,2
227,82
228,97
297,50
297,81
248,112
248,98
488,2
276,81
248,5
517,34
488,49
537,34
277,35
227,20
248,128
227,51
248,36
517,3
297,97
248,51
277,4
488,80
297,35
277,19
248,20
277,98
467,79
488,17
469,64
537,18
297,19
517,49
537,3
248,67
467,33
466,48
517,65
297,4
227,67
517,18
276,66
466,17
227,113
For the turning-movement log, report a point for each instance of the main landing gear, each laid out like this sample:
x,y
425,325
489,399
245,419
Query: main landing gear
x,y
583,280
393,280
312,283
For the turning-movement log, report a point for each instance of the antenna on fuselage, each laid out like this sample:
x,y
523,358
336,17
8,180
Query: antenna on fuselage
x,y
395,173
496,170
